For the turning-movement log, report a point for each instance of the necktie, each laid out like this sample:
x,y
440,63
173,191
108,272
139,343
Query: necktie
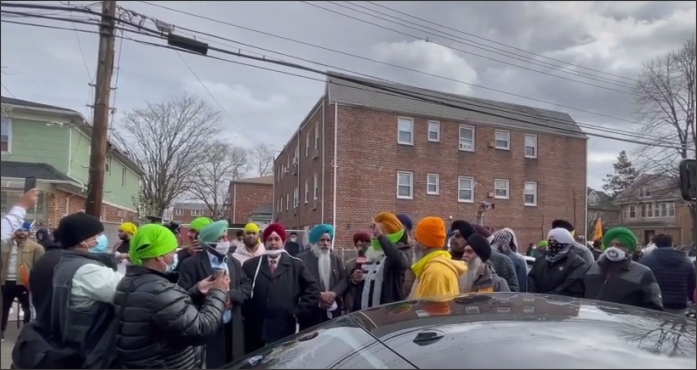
x,y
272,265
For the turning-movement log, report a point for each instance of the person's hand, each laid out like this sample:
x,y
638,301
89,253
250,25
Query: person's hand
x,y
193,248
357,276
377,230
28,199
205,285
328,298
482,207
222,282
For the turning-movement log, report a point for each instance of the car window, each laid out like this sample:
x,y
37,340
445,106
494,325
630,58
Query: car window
x,y
340,344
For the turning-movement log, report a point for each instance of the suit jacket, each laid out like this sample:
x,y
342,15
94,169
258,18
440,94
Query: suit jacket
x,y
197,268
338,281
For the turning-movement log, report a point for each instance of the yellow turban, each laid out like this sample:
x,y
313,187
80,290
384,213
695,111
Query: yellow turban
x,y
128,227
389,222
251,228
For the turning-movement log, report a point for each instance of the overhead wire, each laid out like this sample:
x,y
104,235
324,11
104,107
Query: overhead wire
x,y
423,97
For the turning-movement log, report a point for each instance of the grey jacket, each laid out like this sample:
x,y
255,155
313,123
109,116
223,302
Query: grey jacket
x,y
503,266
583,252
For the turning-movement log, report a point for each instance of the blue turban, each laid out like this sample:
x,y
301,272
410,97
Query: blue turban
x,y
320,230
406,221
26,226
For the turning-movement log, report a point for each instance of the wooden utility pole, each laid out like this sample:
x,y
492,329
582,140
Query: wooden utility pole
x,y
100,121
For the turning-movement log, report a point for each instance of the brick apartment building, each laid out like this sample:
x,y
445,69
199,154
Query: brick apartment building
x,y
250,198
185,212
424,158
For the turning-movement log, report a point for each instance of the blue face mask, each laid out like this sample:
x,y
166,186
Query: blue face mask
x,y
175,261
102,245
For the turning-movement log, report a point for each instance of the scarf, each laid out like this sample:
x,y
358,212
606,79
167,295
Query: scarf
x,y
503,240
557,251
419,266
394,238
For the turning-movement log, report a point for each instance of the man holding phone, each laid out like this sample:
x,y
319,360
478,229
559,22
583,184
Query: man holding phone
x,y
193,248
354,270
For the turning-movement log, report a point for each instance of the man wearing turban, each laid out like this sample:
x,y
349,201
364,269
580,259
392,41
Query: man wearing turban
x,y
436,272
616,278
159,318
251,245
126,232
579,249
482,277
193,248
282,289
227,343
387,259
327,269
559,269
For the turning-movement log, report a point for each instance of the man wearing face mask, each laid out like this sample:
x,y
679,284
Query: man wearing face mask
x,y
327,269
227,343
616,278
282,288
193,248
251,245
292,246
159,325
354,271
84,284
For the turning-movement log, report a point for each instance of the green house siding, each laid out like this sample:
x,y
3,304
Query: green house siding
x,y
38,142
119,188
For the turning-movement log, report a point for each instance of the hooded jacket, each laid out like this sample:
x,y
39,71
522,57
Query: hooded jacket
x,y
674,273
440,278
242,254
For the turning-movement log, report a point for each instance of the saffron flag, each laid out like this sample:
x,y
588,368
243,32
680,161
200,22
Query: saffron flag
x,y
598,230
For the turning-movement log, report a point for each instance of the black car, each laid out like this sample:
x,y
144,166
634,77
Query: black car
x,y
488,331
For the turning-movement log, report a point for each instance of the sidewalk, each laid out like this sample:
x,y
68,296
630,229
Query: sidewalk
x,y
8,344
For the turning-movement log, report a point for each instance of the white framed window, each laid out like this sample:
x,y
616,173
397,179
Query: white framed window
x,y
530,193
178,211
6,136
317,136
279,204
405,131
501,189
432,184
644,192
405,185
466,143
315,187
503,140
296,196
308,138
296,154
287,201
631,212
307,190
107,164
197,212
123,176
465,189
530,146
434,131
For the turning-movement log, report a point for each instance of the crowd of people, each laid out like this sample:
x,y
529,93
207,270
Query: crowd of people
x,y
220,297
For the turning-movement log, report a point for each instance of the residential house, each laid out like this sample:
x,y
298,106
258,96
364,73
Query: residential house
x,y
183,213
248,200
653,205
362,150
53,144
600,206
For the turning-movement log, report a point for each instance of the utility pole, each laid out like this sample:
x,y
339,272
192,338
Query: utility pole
x,y
100,120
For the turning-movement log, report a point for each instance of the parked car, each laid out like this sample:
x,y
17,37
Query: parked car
x,y
498,330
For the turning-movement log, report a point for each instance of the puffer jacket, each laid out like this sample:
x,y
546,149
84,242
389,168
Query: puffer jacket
x,y
159,325
675,276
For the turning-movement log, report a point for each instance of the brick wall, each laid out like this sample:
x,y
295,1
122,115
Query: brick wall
x,y
60,199
246,197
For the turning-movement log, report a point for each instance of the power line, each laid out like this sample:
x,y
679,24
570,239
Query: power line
x,y
8,90
499,43
457,49
367,59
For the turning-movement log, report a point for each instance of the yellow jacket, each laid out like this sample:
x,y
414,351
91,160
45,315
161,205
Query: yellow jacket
x,y
439,278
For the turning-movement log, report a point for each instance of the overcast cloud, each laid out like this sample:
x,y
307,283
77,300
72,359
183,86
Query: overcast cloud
x,y
47,66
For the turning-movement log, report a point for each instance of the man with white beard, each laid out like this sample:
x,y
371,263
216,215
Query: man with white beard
x,y
481,276
328,271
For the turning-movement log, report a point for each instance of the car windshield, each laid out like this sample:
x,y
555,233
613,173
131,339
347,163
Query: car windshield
x,y
350,346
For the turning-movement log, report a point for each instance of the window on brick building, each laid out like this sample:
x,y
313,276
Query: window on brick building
x,y
405,131
405,185
501,189
178,211
530,193
315,187
308,139
465,189
296,197
530,146
432,184
307,190
502,140
317,136
466,143
434,131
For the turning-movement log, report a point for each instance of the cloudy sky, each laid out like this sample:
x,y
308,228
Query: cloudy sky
x,y
473,48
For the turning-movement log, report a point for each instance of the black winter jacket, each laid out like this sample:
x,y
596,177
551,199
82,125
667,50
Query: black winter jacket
x,y
624,282
675,275
159,325
562,277
41,283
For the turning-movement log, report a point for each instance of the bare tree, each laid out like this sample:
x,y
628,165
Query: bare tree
x,y
223,164
262,158
169,140
666,108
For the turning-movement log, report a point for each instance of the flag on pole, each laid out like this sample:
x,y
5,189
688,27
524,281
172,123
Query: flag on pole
x,y
598,230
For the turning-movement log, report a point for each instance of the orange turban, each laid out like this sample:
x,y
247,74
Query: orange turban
x,y
430,232
389,222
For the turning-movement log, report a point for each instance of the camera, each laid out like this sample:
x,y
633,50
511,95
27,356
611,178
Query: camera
x,y
488,206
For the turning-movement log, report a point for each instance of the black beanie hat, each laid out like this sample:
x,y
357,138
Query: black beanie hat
x,y
78,227
463,227
559,223
480,245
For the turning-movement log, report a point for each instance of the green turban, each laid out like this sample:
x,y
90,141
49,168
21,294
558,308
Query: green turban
x,y
211,233
623,235
199,223
150,241
542,244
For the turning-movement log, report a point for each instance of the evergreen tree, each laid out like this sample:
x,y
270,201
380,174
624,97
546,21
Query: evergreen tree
x,y
625,174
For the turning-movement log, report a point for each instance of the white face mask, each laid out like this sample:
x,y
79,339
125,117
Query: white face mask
x,y
222,247
615,254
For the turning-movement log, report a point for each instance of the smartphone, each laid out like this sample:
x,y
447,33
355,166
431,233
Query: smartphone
x,y
29,183
361,260
217,273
